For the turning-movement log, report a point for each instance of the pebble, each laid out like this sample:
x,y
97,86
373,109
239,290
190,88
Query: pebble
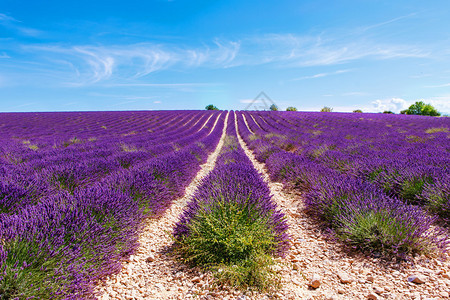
x,y
378,290
372,296
150,258
344,278
419,279
314,281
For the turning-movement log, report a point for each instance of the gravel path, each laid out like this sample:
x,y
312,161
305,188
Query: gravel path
x,y
314,268
314,261
152,273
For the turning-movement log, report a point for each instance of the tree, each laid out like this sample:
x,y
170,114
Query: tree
x,y
211,107
420,108
326,109
291,108
387,112
273,107
429,110
357,111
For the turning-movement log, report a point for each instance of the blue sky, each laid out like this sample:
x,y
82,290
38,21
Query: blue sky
x,y
154,54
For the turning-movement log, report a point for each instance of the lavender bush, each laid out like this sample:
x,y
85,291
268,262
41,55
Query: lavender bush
x,y
72,208
231,223
364,203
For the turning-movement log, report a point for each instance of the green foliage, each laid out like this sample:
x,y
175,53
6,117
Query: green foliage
x,y
357,111
291,108
273,107
410,190
233,240
211,107
326,109
437,202
33,281
388,112
420,108
381,232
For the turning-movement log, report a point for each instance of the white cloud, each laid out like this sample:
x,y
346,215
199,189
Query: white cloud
x,y
319,75
16,25
355,94
4,55
393,104
438,86
291,50
441,103
157,102
93,64
4,17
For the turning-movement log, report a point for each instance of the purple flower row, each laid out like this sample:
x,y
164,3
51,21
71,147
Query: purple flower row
x,y
61,245
234,179
358,210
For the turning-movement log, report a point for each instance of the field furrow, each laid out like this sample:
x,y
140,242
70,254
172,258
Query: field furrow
x,y
150,272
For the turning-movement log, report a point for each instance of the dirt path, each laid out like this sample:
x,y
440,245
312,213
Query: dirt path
x,y
151,273
339,274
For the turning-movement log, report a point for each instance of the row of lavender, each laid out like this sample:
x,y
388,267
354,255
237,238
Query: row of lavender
x,y
59,240
42,171
359,211
232,222
405,156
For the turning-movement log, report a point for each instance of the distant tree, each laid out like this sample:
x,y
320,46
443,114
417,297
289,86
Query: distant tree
x,y
211,107
357,111
429,110
420,108
326,109
291,108
273,107
387,112
403,112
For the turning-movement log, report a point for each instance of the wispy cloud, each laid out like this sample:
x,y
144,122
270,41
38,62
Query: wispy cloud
x,y
157,102
438,86
4,55
319,75
366,28
100,63
16,25
355,94
4,17
163,85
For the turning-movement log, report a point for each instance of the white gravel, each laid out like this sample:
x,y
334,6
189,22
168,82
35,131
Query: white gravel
x,y
152,273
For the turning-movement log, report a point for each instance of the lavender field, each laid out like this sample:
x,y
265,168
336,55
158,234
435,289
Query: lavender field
x,y
77,189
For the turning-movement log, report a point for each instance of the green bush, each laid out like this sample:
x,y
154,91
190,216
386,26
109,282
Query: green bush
x,y
326,109
211,107
291,108
420,108
273,107
235,242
